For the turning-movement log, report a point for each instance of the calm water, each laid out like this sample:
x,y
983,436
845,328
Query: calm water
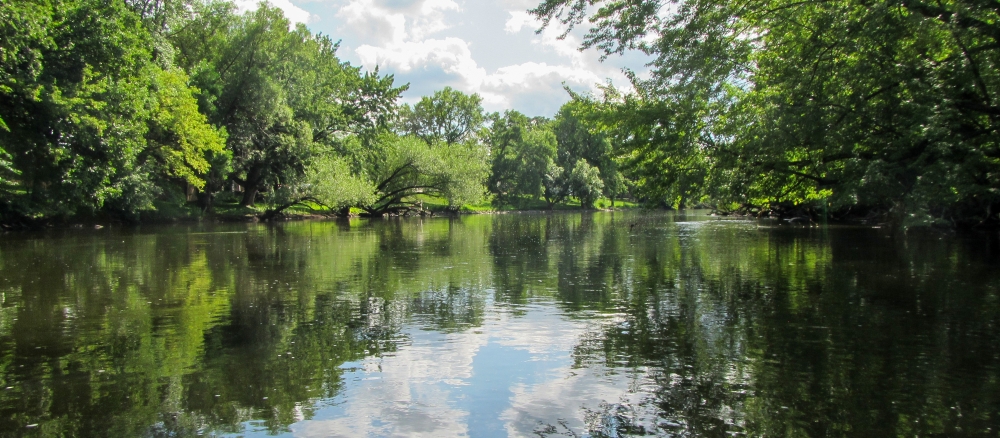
x,y
593,324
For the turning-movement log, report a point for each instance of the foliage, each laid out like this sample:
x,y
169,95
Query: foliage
x,y
8,175
75,94
555,184
331,182
520,151
580,137
585,183
399,168
108,107
887,107
657,146
883,109
250,72
284,96
179,135
448,116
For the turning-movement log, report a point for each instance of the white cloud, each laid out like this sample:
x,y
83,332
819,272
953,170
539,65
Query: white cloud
x,y
396,21
451,54
566,47
294,13
532,80
369,23
517,21
531,74
500,89
520,5
429,44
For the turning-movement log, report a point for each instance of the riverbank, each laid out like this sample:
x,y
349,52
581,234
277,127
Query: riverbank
x,y
230,211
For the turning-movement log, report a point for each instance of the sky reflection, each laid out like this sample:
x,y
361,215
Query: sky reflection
x,y
512,376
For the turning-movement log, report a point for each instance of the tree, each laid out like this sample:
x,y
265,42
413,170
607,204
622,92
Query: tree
x,y
8,176
504,133
106,107
401,168
520,152
179,136
283,96
269,144
580,137
337,99
882,106
448,116
585,183
555,184
75,93
660,147
534,154
328,182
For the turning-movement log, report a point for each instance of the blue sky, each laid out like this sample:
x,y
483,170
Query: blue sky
x,y
478,46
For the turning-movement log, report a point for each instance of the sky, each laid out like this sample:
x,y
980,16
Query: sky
x,y
488,47
511,376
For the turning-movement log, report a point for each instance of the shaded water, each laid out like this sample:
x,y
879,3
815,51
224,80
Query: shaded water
x,y
592,324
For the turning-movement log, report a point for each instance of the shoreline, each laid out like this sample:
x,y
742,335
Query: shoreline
x,y
91,223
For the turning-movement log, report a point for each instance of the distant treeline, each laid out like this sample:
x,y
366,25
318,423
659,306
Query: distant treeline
x,y
886,110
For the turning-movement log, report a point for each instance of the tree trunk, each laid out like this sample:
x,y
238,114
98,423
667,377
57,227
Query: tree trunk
x,y
205,200
251,186
249,195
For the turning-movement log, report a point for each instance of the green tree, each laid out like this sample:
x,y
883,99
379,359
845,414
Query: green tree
x,y
269,144
247,69
75,96
400,168
661,148
180,136
585,183
504,133
881,106
581,137
520,152
327,181
448,116
537,150
555,184
337,99
284,98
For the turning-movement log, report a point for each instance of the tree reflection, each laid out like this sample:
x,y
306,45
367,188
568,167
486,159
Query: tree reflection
x,y
209,329
787,334
725,328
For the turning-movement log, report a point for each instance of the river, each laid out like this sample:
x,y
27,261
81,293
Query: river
x,y
592,324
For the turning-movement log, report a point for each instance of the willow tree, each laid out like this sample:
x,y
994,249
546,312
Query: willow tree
x,y
400,168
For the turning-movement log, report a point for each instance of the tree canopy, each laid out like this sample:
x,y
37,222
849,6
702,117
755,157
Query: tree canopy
x,y
880,106
449,116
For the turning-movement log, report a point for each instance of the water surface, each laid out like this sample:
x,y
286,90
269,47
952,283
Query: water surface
x,y
573,324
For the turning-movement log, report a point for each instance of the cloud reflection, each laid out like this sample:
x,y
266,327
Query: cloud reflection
x,y
433,385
